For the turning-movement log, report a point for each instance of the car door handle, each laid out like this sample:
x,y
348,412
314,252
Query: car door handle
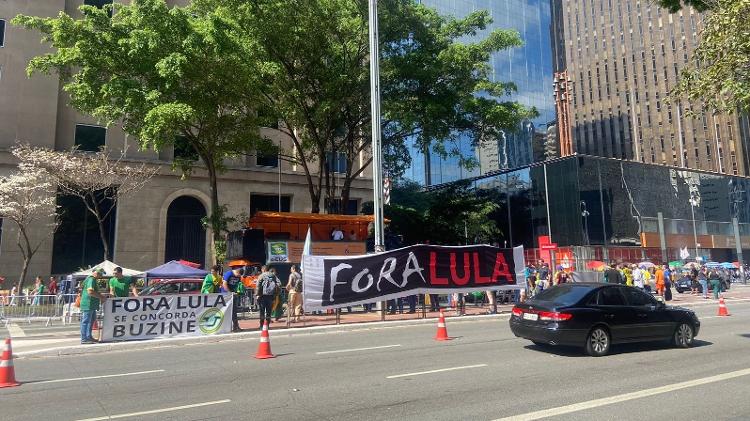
x,y
642,315
609,316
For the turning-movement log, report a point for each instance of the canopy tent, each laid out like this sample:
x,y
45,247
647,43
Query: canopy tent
x,y
175,269
109,270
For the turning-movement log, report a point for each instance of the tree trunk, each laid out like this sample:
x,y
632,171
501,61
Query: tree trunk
x,y
214,192
345,193
24,271
102,237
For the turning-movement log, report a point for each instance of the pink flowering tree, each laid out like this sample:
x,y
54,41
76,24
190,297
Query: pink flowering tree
x,y
98,179
27,198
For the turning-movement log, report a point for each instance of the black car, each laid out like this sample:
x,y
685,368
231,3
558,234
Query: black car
x,y
596,316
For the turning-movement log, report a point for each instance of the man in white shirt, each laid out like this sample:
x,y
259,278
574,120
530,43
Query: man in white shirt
x,y
337,234
637,277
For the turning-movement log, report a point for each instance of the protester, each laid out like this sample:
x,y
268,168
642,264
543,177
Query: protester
x,y
637,277
703,281
352,236
90,300
659,280
628,274
612,275
265,290
278,299
434,302
232,282
715,281
119,284
562,277
294,287
491,300
13,291
648,275
38,291
337,234
52,286
212,282
668,285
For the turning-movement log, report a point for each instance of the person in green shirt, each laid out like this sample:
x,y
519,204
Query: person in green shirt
x,y
213,281
90,298
118,284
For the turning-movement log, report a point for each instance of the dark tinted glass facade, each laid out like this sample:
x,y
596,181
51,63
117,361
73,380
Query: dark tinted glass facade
x,y
614,203
529,67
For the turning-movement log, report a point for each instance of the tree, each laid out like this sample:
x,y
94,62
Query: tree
x,y
162,72
98,179
675,5
720,78
435,85
27,199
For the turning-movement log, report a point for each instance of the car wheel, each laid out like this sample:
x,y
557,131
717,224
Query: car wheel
x,y
598,342
683,336
680,290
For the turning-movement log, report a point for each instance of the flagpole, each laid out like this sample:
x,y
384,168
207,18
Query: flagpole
x,y
377,153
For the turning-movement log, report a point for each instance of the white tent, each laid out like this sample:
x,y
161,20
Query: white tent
x,y
109,268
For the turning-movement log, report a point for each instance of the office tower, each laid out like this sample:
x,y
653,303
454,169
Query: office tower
x,y
529,67
619,60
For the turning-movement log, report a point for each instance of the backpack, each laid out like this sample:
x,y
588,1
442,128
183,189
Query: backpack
x,y
297,285
268,285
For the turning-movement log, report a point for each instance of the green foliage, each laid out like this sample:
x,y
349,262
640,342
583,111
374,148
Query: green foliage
x,y
721,77
161,72
675,5
453,215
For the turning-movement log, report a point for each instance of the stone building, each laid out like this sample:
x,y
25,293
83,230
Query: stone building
x,y
622,58
159,223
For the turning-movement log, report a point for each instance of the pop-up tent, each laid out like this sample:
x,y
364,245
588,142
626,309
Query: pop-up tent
x,y
175,269
109,269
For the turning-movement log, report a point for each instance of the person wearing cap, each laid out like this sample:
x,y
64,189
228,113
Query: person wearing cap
x,y
90,298
118,284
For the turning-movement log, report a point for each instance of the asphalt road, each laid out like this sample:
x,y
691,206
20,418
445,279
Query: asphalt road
x,y
487,374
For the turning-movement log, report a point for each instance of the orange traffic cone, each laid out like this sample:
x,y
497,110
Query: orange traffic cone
x,y
264,347
723,308
442,332
7,373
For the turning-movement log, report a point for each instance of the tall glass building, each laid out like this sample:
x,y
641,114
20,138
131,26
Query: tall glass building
x,y
529,67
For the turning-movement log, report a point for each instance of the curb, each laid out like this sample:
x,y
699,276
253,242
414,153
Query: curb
x,y
77,350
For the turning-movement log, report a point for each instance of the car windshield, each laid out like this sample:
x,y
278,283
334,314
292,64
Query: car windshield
x,y
149,289
563,295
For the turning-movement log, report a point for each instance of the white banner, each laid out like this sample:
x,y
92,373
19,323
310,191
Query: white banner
x,y
166,316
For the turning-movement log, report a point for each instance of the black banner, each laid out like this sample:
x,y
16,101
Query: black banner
x,y
332,282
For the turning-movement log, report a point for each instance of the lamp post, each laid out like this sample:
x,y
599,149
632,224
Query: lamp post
x,y
693,204
377,153
585,214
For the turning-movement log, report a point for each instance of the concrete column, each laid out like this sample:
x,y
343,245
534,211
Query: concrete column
x,y
662,237
738,246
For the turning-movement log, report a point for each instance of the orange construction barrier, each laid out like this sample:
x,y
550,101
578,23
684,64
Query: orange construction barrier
x,y
442,331
264,347
7,373
723,308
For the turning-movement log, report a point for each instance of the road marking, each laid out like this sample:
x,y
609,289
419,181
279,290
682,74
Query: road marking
x,y
137,373
15,331
357,349
419,373
157,411
567,409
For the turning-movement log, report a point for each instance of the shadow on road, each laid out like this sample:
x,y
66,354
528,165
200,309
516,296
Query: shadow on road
x,y
745,335
568,351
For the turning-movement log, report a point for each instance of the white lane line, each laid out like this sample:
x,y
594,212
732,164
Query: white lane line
x,y
567,409
157,411
137,373
419,373
15,331
357,349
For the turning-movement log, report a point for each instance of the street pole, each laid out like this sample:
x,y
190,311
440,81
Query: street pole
x,y
695,232
377,153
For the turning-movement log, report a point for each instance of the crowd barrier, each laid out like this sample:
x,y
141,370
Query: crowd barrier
x,y
38,308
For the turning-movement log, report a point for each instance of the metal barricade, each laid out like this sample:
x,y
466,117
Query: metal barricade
x,y
38,308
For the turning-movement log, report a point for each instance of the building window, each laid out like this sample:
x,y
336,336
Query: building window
x,y
267,160
90,138
336,162
269,202
2,32
97,3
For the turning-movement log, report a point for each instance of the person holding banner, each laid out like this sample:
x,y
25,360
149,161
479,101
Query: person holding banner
x,y
118,284
231,283
90,298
